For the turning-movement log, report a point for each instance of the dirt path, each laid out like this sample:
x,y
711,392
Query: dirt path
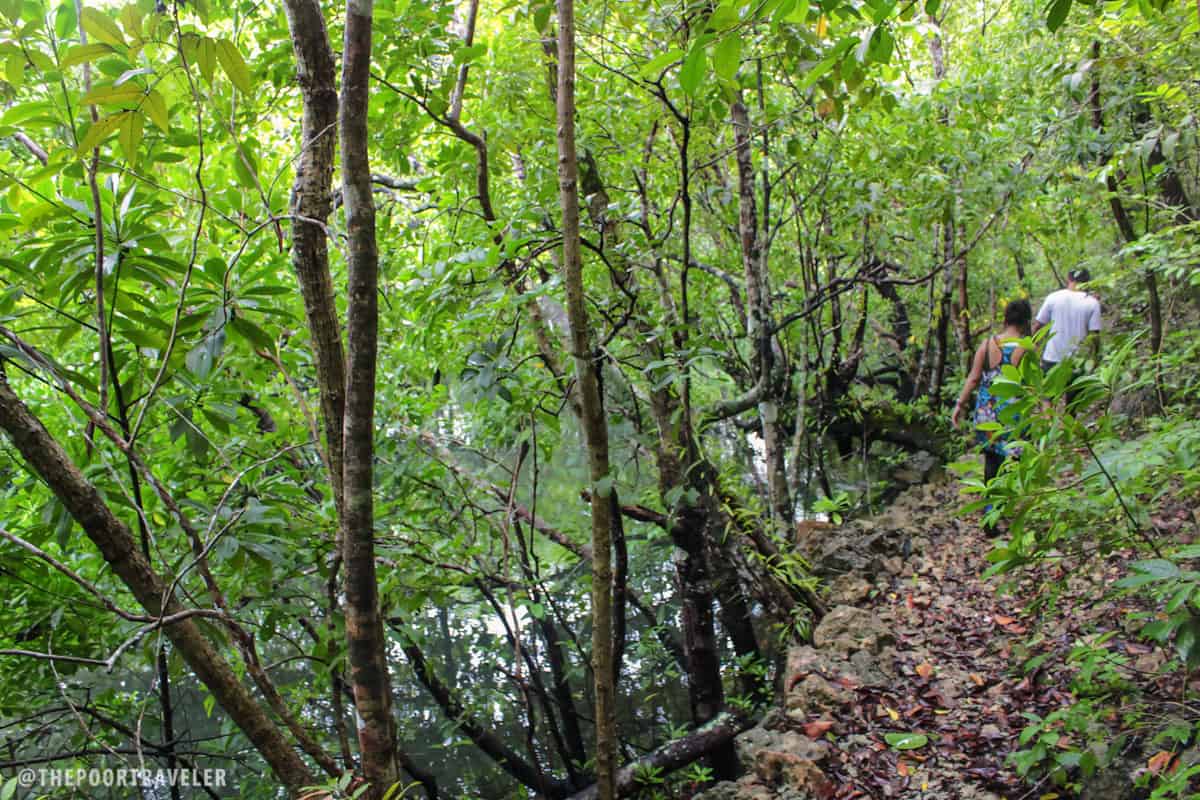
x,y
917,680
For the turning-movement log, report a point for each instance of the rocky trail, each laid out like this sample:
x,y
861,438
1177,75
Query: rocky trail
x,y
917,682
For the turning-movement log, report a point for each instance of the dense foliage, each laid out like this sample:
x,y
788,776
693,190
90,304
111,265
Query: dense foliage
x,y
798,221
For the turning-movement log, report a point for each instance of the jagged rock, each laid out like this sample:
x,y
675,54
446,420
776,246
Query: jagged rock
x,y
840,555
871,669
916,469
725,790
756,740
848,590
846,629
777,768
815,696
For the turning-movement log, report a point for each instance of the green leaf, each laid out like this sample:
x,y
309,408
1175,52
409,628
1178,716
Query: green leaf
x,y
234,65
131,134
10,789
253,334
654,66
81,53
1057,13
99,131
112,94
156,109
691,74
727,57
881,45
102,27
906,741
206,58
932,6
1186,639
1158,567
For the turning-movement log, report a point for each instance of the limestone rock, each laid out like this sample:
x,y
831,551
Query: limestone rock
x,y
815,696
846,629
848,590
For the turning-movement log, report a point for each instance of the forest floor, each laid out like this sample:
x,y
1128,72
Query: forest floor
x,y
922,677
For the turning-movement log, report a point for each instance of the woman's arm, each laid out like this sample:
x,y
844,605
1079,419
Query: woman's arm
x,y
969,387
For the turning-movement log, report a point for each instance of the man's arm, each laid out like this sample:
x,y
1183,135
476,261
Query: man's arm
x,y
1044,315
1093,336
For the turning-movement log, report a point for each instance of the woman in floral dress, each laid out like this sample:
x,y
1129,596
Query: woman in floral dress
x,y
991,355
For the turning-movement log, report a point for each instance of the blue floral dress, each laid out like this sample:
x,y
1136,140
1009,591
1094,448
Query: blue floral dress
x,y
988,407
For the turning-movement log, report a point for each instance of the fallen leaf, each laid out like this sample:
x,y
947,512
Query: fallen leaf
x,y
902,768
925,669
1000,619
817,728
977,678
893,713
906,741
1160,761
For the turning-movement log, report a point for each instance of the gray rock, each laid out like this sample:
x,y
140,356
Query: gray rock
x,y
848,590
815,697
725,790
846,629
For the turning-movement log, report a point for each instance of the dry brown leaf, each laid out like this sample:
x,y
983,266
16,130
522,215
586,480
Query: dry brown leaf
x,y
977,678
1160,761
925,669
817,728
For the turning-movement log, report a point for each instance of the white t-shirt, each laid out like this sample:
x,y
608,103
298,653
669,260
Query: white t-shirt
x,y
1072,314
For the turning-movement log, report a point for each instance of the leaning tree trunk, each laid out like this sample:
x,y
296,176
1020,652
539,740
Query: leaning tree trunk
x,y
367,646
595,430
116,544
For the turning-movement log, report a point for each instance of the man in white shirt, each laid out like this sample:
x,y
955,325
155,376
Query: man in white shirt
x,y
1073,315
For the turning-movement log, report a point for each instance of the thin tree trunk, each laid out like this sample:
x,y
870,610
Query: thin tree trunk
x,y
116,544
595,429
758,321
1120,214
367,645
311,203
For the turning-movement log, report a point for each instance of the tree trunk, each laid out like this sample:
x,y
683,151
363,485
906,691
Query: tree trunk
x,y
116,544
758,322
311,203
595,429
367,646
1120,214
673,755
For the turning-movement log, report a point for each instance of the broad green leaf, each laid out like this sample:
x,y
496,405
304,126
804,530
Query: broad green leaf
x,y
691,74
81,53
65,21
131,135
1158,567
906,741
156,108
235,67
1057,13
206,58
99,131
654,66
102,27
253,334
1187,642
112,94
727,56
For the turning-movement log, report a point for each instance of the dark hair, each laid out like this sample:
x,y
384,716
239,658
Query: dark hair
x,y
1018,314
1080,275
